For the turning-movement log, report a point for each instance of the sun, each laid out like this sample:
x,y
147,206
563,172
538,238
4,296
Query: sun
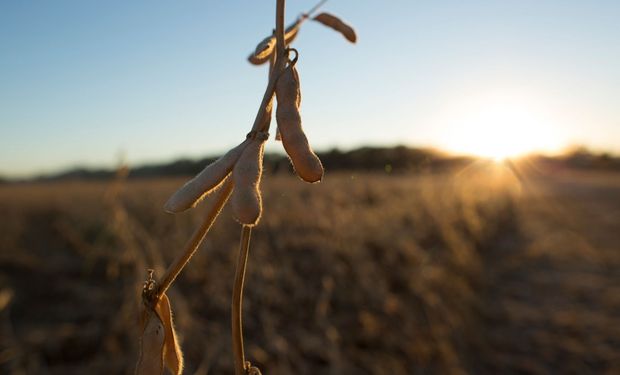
x,y
500,126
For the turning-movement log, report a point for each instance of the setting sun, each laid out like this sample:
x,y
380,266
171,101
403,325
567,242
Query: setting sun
x,y
500,126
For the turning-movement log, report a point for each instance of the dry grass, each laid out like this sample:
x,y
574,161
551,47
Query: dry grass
x,y
364,273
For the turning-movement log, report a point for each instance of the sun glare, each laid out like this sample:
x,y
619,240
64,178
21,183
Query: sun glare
x,y
500,127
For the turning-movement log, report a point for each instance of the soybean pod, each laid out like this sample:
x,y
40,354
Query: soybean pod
x,y
246,198
307,165
205,182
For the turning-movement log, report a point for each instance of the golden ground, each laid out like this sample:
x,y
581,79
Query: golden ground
x,y
473,272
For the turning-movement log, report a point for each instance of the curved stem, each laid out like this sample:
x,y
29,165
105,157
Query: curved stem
x,y
237,300
213,209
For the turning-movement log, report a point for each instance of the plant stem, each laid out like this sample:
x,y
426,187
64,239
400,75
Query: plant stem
x,y
275,68
237,300
315,8
213,209
280,45
278,67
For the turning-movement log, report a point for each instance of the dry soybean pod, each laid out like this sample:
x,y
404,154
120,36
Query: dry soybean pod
x,y
263,51
337,24
204,182
246,198
266,47
173,357
151,359
306,163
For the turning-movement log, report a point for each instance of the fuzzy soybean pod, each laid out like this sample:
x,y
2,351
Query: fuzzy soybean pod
x,y
306,163
173,356
205,182
151,359
266,47
246,198
337,24
159,346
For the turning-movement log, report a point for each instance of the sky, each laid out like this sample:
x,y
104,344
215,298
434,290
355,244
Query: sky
x,y
83,81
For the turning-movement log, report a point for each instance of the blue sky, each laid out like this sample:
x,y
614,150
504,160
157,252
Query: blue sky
x,y
82,80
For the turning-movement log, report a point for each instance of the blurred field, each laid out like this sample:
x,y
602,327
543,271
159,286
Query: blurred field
x,y
472,272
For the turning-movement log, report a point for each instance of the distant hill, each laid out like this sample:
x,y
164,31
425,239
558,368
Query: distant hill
x,y
393,159
397,159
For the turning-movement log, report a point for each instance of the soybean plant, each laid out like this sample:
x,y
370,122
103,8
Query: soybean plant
x,y
236,176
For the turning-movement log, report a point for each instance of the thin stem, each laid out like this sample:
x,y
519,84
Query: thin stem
x,y
315,8
280,45
258,121
272,63
237,299
214,208
278,67
275,68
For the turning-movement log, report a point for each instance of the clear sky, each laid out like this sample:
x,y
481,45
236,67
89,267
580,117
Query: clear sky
x,y
82,80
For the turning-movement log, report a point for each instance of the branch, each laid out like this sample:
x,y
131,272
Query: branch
x,y
214,208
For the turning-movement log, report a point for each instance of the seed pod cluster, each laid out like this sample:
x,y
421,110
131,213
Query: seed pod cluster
x,y
245,170
243,166
288,93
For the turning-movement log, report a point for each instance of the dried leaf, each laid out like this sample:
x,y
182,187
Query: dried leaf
x,y
337,24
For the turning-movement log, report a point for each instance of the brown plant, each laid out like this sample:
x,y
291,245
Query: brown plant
x,y
236,175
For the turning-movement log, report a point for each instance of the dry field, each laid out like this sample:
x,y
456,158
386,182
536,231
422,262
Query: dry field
x,y
472,272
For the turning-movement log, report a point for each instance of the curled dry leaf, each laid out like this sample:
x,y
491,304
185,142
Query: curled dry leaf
x,y
205,182
246,198
158,343
266,47
307,165
337,24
